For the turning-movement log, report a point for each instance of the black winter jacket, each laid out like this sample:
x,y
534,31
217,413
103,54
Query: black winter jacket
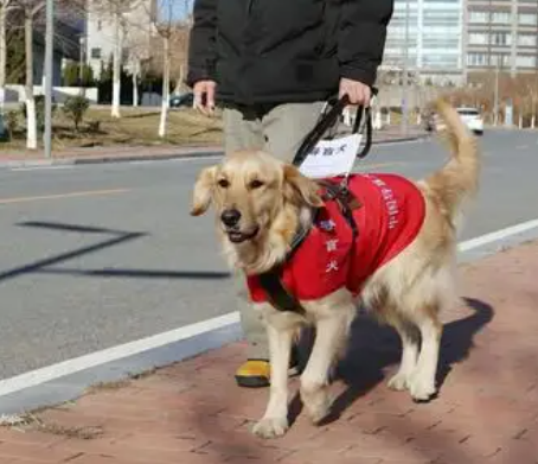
x,y
276,51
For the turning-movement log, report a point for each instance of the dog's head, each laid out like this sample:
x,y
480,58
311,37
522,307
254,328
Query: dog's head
x,y
251,192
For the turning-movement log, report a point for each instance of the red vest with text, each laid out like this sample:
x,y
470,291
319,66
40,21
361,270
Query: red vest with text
x,y
390,216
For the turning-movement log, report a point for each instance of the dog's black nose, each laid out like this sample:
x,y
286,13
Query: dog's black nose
x,y
230,217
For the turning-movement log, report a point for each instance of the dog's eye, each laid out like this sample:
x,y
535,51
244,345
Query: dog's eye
x,y
223,183
254,184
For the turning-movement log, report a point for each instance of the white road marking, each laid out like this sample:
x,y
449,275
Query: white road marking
x,y
74,365
71,366
53,167
497,235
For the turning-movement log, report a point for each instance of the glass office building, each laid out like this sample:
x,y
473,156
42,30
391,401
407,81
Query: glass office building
x,y
435,40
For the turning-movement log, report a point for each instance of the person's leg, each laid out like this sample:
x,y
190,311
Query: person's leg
x,y
243,130
285,126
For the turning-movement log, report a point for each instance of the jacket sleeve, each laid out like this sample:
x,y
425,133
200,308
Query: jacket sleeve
x,y
202,51
361,37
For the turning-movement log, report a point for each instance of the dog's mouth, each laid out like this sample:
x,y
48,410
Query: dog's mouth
x,y
238,236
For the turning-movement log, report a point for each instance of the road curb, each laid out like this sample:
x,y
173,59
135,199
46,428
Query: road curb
x,y
210,153
70,386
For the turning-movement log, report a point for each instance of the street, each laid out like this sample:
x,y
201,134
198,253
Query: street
x,y
98,255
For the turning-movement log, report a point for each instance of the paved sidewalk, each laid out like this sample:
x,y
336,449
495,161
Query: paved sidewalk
x,y
127,153
192,412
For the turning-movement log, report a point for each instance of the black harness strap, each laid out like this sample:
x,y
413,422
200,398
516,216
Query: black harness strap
x,y
277,294
346,200
329,119
271,281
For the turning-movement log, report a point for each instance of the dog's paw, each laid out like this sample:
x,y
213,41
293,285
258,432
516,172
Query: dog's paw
x,y
399,382
317,404
271,427
422,390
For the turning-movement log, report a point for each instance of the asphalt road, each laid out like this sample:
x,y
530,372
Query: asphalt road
x,y
95,256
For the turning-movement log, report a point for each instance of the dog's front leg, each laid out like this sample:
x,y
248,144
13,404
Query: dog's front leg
x,y
275,420
331,335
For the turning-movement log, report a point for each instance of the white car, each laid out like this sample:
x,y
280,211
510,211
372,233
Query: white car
x,y
472,118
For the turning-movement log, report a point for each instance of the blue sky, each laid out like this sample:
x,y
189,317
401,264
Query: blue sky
x,y
180,8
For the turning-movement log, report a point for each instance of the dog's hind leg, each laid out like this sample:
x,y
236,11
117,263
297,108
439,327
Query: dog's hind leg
x,y
409,335
423,381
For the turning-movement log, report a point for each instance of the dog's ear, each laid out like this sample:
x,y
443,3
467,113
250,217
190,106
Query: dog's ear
x,y
203,191
298,188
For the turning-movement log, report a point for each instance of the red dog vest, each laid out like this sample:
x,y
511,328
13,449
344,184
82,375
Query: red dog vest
x,y
390,216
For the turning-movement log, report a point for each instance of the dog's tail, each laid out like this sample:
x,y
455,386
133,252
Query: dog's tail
x,y
457,181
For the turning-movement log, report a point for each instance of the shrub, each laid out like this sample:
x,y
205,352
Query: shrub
x,y
75,108
94,126
12,123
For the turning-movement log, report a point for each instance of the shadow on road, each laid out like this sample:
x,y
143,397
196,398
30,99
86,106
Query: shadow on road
x,y
118,237
141,273
373,348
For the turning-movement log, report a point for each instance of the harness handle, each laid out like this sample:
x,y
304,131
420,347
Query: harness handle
x,y
329,118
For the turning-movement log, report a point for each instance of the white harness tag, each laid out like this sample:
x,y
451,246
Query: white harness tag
x,y
331,158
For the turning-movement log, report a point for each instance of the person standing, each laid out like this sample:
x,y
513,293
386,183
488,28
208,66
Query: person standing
x,y
272,64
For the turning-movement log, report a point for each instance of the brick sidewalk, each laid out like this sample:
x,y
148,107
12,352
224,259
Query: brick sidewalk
x,y
192,412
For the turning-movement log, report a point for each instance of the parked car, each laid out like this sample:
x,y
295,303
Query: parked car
x,y
472,118
177,101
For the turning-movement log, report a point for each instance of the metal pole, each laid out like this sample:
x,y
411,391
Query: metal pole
x,y
81,60
404,120
497,91
49,44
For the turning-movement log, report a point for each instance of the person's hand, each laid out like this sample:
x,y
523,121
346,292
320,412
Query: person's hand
x,y
204,96
358,93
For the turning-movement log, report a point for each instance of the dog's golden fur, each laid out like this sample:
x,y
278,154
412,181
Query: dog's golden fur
x,y
408,292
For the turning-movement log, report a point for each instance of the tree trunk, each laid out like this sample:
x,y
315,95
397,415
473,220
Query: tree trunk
x,y
3,55
135,83
31,122
116,67
179,83
166,87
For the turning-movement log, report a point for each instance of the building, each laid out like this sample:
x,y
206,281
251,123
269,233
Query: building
x,y
501,34
435,42
136,30
65,48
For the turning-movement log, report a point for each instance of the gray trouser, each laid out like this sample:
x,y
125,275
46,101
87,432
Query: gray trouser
x,y
278,130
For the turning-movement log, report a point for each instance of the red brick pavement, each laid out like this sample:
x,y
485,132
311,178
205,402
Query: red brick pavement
x,y
192,412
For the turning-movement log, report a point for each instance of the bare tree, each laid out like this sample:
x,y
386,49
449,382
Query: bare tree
x,y
30,8
137,42
170,31
118,11
5,7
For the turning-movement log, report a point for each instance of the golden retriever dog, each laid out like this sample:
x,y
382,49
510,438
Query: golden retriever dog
x,y
261,203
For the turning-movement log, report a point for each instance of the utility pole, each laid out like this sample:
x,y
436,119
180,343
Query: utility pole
x,y
497,90
81,60
404,120
49,44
